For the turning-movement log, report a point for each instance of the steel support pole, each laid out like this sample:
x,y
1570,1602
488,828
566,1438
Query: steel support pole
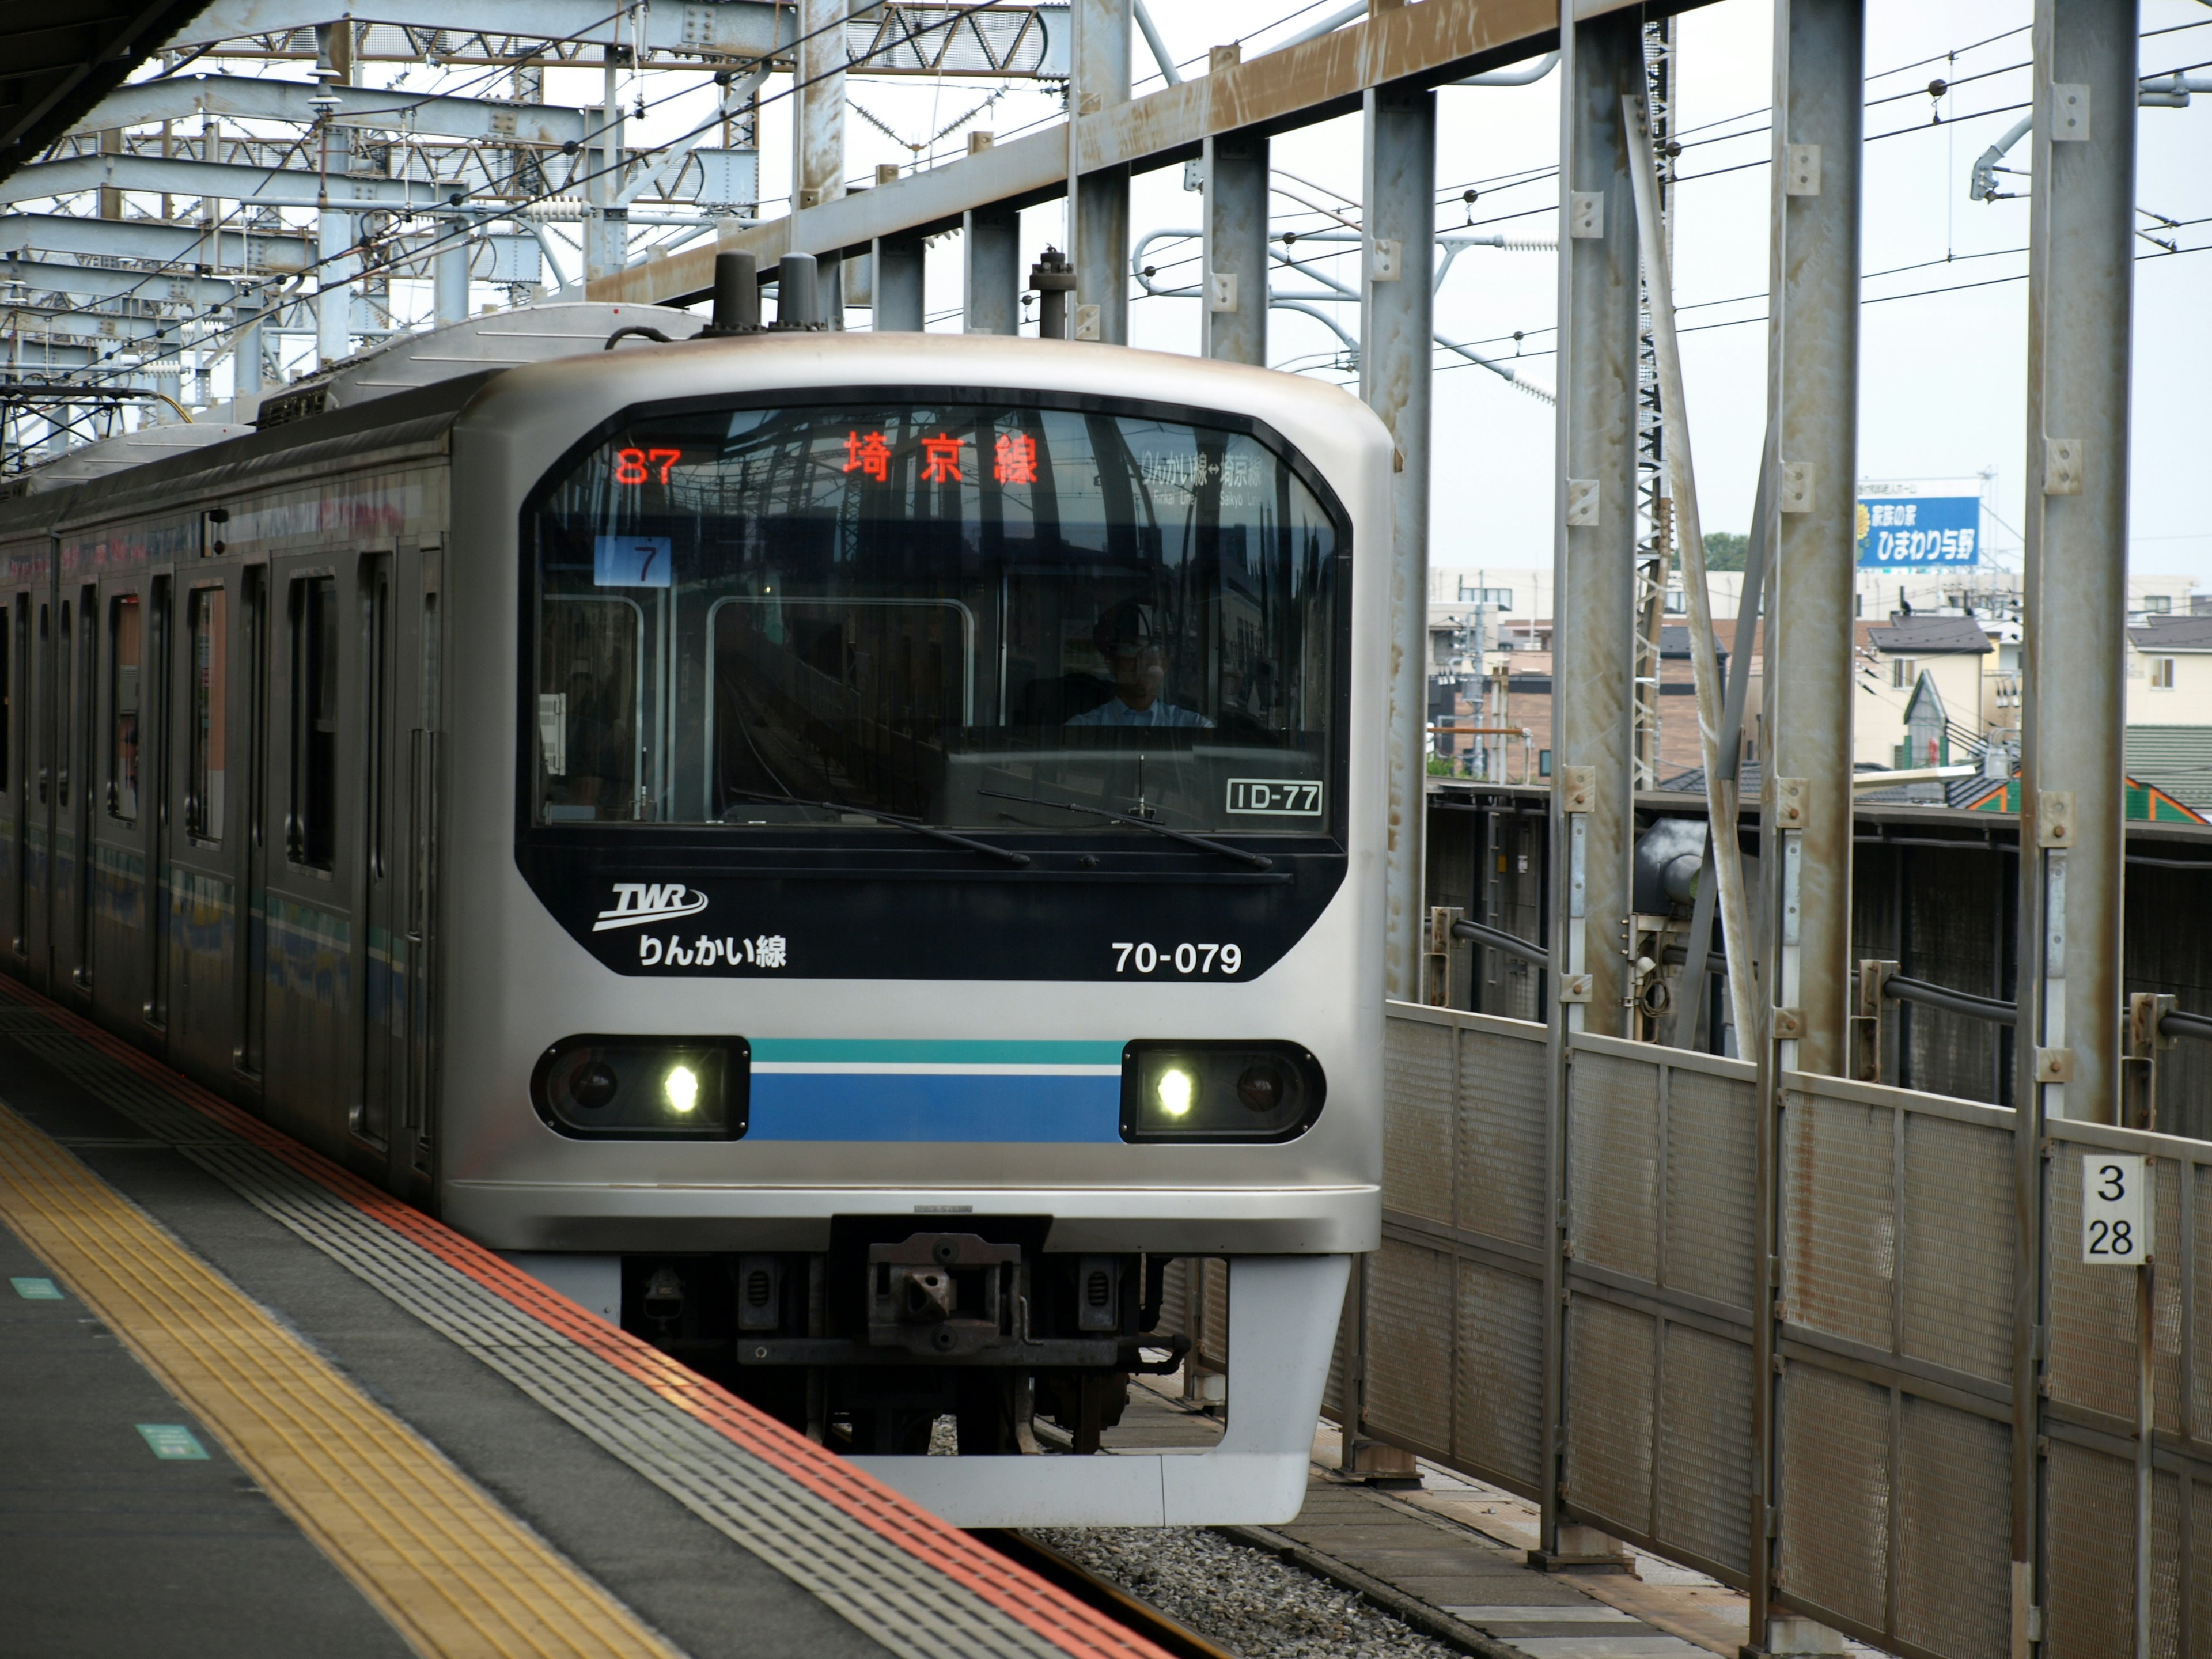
x,y
817,150
1593,548
895,270
1098,209
1813,357
991,257
246,359
2080,286
2081,290
333,292
1397,312
450,274
1235,318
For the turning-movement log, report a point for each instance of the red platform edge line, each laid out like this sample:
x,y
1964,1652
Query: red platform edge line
x,y
1005,1585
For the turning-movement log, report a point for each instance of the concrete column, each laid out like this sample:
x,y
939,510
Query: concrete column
x,y
1235,326
1594,551
897,265
1812,360
450,271
2080,322
991,260
1397,318
333,292
1098,209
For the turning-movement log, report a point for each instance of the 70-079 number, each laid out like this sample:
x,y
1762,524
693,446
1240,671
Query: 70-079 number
x,y
1186,958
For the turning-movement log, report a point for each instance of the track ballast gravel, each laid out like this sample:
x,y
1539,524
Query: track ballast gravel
x,y
1249,1602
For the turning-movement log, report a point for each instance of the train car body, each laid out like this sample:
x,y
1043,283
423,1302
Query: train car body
x,y
847,852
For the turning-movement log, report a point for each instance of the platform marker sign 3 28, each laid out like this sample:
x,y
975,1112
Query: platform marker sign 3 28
x,y
2115,1220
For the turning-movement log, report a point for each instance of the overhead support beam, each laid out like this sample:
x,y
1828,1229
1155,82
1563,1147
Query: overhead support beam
x,y
245,97
2081,316
1428,44
1813,364
275,252
1234,301
1397,318
722,28
265,187
991,255
1098,217
1594,546
100,282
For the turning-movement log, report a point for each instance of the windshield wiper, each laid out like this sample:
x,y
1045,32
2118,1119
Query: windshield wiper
x,y
1255,859
898,819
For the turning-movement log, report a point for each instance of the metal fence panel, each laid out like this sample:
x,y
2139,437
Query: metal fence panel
x,y
1497,1419
1960,1234
1499,1162
1705,1451
1409,1354
1836,1493
1841,1250
1611,1362
1456,1309
2089,1602
1417,1120
1953,1566
2092,1309
1712,1186
1613,1161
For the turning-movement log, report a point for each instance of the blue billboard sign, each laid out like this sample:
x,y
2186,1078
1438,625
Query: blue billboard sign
x,y
1897,532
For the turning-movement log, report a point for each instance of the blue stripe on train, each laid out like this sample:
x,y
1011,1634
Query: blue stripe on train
x,y
935,1106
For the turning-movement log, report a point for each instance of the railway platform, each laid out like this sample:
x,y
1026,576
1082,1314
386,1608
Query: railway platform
x,y
251,1406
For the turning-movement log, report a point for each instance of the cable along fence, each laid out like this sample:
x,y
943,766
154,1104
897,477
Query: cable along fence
x,y
1860,1446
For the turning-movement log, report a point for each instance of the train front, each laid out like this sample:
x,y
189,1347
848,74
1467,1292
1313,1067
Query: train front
x,y
913,873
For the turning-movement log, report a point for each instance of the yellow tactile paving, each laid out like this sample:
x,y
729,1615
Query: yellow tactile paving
x,y
454,1572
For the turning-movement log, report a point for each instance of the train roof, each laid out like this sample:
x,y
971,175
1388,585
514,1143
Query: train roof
x,y
403,395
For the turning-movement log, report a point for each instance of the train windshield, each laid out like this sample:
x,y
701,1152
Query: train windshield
x,y
975,615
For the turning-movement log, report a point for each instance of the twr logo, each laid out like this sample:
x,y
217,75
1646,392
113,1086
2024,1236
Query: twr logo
x,y
637,902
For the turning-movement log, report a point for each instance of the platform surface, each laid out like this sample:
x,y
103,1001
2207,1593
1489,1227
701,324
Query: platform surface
x,y
249,1406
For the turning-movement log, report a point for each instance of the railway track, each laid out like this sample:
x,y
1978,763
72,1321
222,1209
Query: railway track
x,y
1103,1595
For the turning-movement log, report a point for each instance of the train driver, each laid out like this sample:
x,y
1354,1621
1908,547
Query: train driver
x,y
1129,638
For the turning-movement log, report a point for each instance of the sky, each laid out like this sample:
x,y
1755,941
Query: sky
x,y
1942,377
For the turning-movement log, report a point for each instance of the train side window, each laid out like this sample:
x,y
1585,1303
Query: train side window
x,y
7,705
591,687
211,637
312,821
124,645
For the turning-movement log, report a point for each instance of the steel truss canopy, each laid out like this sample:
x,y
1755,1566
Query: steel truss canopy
x,y
996,41
1422,46
246,98
59,57
273,251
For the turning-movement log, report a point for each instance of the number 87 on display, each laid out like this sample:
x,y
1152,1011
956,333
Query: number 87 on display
x,y
2116,1221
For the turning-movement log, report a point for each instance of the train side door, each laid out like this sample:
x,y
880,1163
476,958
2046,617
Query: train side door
x,y
15,758
156,782
38,839
253,956
80,786
383,949
419,1116
122,909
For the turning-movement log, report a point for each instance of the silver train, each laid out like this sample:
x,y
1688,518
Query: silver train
x,y
849,853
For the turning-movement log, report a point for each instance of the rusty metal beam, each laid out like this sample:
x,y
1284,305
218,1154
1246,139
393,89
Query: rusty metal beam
x,y
1411,48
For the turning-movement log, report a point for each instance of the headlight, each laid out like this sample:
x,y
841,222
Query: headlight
x,y
644,1088
1218,1091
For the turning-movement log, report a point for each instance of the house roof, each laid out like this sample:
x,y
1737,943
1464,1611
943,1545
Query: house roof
x,y
1928,636
2174,634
